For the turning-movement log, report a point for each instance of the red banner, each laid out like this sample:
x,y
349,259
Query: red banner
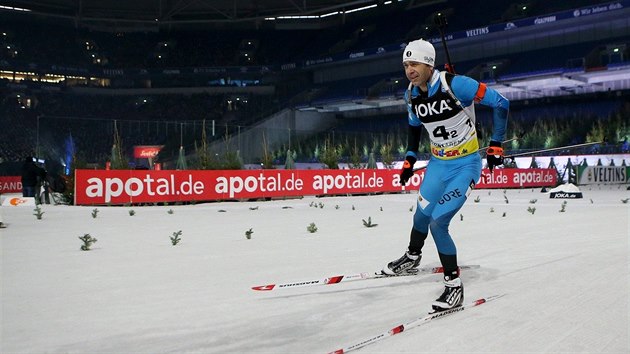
x,y
146,151
10,184
518,178
150,186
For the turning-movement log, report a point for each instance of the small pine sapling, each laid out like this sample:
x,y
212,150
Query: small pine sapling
x,y
411,208
321,205
87,242
253,208
337,206
492,210
533,201
287,207
368,223
563,207
625,201
353,208
381,208
38,212
170,211
477,199
222,211
461,217
94,213
248,234
311,228
531,210
506,199
132,212
504,214
175,238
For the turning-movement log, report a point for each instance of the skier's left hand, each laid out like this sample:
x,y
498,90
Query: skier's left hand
x,y
494,155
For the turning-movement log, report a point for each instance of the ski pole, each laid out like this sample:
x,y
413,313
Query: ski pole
x,y
552,149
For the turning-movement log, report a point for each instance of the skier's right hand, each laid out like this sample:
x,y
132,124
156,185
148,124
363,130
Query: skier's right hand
x,y
407,170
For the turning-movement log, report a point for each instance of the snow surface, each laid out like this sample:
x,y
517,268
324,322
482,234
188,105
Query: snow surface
x,y
566,276
567,187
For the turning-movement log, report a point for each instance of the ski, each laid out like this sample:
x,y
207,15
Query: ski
x,y
352,277
415,323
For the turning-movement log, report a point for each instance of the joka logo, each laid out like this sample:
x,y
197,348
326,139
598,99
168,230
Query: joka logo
x,y
429,109
408,54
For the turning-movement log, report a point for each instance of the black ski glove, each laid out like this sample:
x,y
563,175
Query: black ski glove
x,y
407,170
494,155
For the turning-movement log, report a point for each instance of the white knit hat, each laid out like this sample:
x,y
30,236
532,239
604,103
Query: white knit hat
x,y
420,51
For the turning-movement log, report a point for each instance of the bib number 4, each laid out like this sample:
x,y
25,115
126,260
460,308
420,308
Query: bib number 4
x,y
441,132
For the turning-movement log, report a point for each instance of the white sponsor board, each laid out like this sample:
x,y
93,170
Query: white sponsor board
x,y
603,175
19,202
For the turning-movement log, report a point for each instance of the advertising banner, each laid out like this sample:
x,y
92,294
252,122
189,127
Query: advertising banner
x,y
146,151
19,202
151,186
10,184
603,174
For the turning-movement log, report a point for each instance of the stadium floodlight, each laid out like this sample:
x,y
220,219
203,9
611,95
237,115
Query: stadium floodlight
x,y
296,17
361,8
329,14
2,7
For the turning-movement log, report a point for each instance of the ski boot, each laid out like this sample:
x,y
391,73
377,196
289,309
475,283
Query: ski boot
x,y
452,296
404,265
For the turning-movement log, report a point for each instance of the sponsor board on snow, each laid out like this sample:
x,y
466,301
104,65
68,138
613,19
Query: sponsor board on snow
x,y
19,201
134,186
565,195
603,174
10,184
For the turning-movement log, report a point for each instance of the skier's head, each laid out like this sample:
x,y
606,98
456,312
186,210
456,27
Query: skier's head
x,y
419,51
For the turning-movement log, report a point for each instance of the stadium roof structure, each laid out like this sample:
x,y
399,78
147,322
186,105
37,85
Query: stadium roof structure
x,y
552,83
154,13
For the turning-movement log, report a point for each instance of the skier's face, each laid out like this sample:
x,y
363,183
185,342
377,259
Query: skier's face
x,y
417,73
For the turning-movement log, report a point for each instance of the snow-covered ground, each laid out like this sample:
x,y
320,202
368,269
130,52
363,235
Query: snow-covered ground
x,y
565,276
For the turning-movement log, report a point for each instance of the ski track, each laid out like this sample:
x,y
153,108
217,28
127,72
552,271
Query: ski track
x,y
566,276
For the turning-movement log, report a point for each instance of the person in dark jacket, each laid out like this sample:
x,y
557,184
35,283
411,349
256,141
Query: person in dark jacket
x,y
31,177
